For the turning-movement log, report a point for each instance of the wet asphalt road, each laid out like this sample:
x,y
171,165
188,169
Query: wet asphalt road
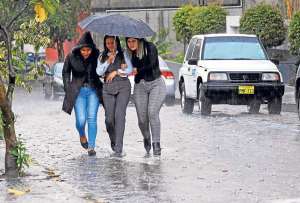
x,y
230,156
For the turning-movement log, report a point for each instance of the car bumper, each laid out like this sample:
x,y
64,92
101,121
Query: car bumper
x,y
228,93
170,85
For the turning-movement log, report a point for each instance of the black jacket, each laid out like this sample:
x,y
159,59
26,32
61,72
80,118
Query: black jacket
x,y
78,70
147,67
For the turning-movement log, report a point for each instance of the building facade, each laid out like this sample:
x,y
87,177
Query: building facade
x,y
159,13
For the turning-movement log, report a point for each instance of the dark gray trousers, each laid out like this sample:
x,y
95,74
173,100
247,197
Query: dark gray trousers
x,y
148,99
115,112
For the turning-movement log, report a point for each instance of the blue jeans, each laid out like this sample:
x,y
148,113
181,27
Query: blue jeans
x,y
86,109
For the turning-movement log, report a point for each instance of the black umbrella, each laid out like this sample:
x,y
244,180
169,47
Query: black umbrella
x,y
117,25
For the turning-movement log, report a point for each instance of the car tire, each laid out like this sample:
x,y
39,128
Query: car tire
x,y
274,106
187,104
169,101
254,106
204,105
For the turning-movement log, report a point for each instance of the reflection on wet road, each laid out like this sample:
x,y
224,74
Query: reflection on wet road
x,y
115,179
230,156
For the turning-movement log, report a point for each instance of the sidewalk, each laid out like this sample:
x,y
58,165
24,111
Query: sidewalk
x,y
39,185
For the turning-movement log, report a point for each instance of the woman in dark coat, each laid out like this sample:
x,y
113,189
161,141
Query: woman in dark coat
x,y
83,89
149,90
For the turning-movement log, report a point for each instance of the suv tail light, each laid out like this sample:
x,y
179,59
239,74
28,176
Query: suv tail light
x,y
168,74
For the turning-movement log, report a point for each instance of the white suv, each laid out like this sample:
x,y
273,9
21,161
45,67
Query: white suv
x,y
229,69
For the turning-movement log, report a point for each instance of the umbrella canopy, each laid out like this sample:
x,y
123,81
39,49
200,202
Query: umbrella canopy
x,y
117,25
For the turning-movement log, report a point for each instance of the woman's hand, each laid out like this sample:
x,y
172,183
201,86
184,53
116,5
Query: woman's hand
x,y
111,58
134,71
111,76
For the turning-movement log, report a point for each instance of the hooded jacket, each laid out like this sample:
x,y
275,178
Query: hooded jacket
x,y
77,71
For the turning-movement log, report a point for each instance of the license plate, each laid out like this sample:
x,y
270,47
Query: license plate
x,y
246,89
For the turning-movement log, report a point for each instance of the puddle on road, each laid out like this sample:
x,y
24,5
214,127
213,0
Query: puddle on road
x,y
116,179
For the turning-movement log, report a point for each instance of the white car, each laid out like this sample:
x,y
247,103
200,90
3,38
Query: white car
x,y
229,69
169,79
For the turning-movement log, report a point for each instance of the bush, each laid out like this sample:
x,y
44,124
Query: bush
x,y
294,34
162,44
179,58
266,22
21,155
207,19
181,24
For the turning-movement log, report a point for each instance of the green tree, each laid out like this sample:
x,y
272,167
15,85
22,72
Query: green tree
x,y
181,24
294,34
160,41
266,22
207,19
63,24
12,15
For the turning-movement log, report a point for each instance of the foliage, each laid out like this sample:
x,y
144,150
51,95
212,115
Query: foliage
x,y
50,6
179,58
24,72
207,19
191,20
294,33
33,33
181,24
29,32
161,43
20,153
266,22
63,24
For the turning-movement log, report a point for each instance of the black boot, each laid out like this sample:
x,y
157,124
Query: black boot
x,y
156,148
112,144
147,144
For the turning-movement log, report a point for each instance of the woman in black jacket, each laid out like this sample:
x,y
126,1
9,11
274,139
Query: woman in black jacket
x,y
83,89
149,90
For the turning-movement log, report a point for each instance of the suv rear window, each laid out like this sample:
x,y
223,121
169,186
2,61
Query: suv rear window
x,y
233,48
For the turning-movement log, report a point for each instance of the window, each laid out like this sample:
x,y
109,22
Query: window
x,y
233,48
196,52
190,49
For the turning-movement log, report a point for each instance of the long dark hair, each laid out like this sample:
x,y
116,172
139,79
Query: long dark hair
x,y
105,52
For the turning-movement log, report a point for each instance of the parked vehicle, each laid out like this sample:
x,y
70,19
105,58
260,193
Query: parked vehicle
x,y
169,79
33,59
53,83
229,69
